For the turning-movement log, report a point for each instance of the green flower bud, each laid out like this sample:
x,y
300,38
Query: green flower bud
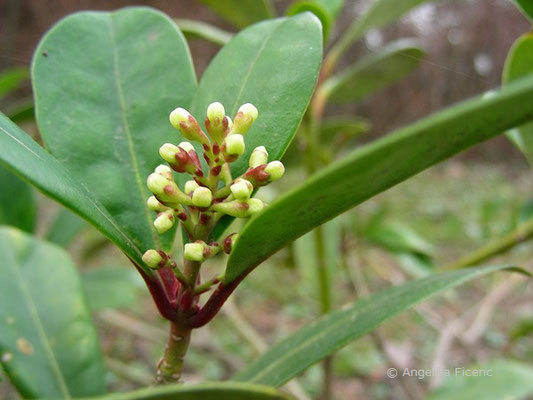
x,y
235,208
182,120
168,152
187,146
166,191
275,169
164,221
191,186
234,145
194,251
258,157
244,119
153,259
215,113
165,172
242,189
202,197
254,206
154,204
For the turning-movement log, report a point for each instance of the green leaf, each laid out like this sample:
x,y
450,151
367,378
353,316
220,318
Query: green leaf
x,y
22,155
526,6
326,335
104,86
48,341
325,10
380,13
507,380
398,238
11,79
349,126
241,13
65,227
203,391
17,203
519,63
21,110
202,30
247,70
377,167
373,72
112,287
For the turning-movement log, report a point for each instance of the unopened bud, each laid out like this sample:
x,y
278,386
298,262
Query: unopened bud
x,y
202,197
153,259
190,186
166,191
187,146
164,221
155,205
258,157
216,122
254,206
275,169
168,152
235,208
189,127
234,145
245,117
242,189
194,251
165,172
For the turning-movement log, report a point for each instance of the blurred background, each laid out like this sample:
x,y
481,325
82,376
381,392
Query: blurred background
x,y
429,221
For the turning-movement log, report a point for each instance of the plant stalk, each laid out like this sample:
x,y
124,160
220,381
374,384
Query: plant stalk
x,y
170,366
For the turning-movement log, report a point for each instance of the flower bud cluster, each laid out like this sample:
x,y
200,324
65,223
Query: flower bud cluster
x,y
211,192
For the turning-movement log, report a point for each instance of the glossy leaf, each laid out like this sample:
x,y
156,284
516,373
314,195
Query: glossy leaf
x,y
21,154
313,342
526,6
104,86
373,72
241,13
274,65
519,63
65,227
112,287
508,380
380,13
11,79
377,167
325,10
202,30
48,342
17,203
203,391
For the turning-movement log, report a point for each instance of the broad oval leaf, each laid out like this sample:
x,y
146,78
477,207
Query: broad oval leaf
x,y
203,391
323,337
241,13
48,342
373,72
22,155
104,86
377,167
519,63
17,203
325,10
507,380
274,65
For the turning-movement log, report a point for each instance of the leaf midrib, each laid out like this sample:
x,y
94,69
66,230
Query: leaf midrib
x,y
127,131
26,293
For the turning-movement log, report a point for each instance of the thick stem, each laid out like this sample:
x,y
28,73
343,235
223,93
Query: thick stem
x,y
170,366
